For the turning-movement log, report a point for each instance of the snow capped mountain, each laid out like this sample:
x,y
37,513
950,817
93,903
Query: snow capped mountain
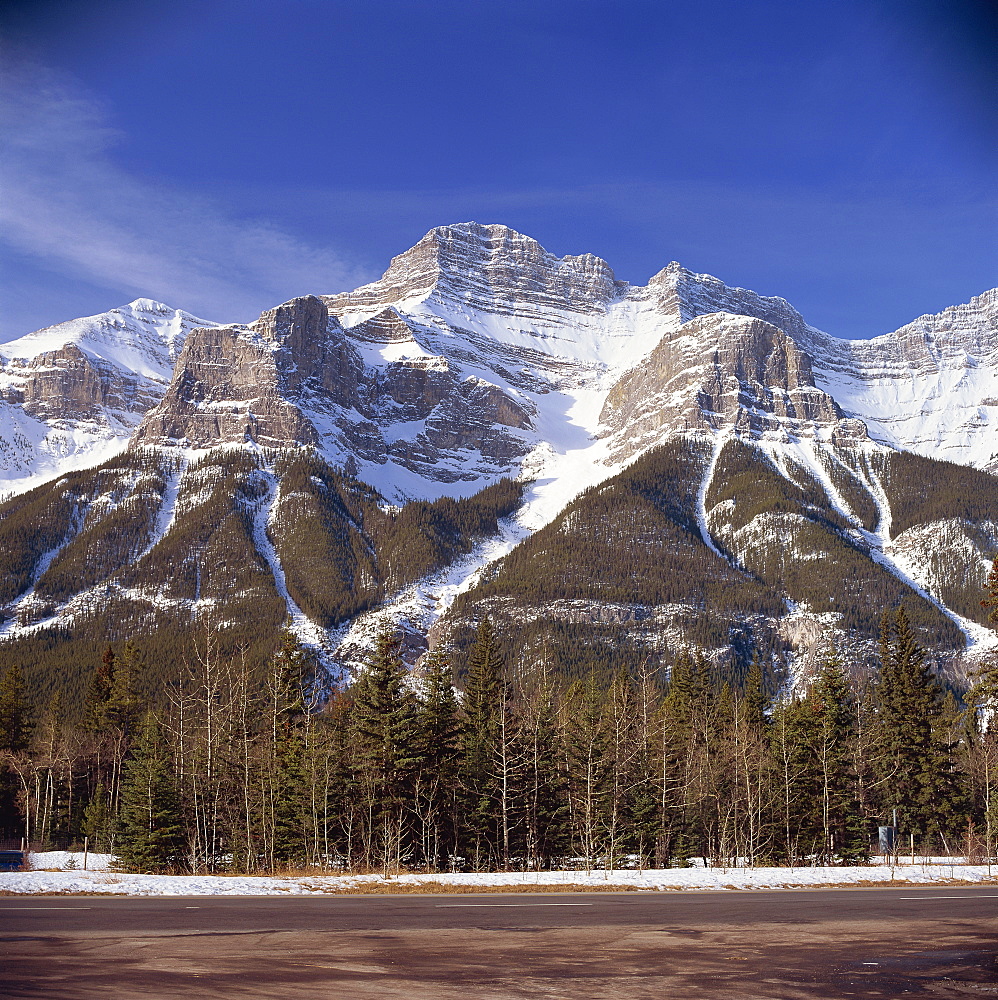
x,y
761,444
71,394
930,387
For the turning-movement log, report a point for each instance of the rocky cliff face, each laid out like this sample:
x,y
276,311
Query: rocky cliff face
x,y
438,375
682,295
296,377
235,385
69,384
720,372
226,390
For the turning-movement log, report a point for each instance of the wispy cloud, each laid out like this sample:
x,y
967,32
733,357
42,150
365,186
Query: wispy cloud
x,y
68,204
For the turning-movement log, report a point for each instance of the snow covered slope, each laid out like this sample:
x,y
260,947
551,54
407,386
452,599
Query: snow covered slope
x,y
72,394
930,387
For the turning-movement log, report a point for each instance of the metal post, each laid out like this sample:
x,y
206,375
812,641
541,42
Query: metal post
x,y
86,850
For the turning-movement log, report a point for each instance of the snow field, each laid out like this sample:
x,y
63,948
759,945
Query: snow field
x,y
98,880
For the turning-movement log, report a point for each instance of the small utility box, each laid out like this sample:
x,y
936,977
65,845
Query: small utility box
x,y
887,837
12,861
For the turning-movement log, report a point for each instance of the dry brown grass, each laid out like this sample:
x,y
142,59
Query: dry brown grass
x,y
452,889
382,889
391,888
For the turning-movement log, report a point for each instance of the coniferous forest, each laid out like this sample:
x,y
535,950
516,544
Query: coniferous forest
x,y
236,768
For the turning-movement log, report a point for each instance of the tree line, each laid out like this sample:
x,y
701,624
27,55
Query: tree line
x,y
235,769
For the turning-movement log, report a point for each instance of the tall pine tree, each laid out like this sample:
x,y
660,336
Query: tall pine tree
x,y
486,698
95,710
437,732
15,737
843,829
386,750
291,673
15,713
124,706
150,831
918,777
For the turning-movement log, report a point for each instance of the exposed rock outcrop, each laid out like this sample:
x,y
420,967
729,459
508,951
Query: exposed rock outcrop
x,y
480,355
226,390
719,371
295,377
68,384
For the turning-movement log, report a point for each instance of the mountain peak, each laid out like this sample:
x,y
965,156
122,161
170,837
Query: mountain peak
x,y
684,294
488,267
149,305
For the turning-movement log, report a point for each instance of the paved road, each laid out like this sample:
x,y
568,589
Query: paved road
x,y
782,945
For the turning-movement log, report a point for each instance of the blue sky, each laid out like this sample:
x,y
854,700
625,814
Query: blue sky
x,y
224,156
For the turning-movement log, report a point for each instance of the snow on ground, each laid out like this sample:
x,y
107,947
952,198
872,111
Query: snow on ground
x,y
70,860
106,882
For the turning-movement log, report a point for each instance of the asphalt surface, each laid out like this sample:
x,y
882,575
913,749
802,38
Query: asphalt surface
x,y
899,942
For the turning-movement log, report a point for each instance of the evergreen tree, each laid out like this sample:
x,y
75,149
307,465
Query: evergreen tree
x,y
844,831
486,700
150,831
99,692
123,708
755,701
440,724
917,773
98,820
109,715
292,671
437,732
15,737
386,748
15,714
